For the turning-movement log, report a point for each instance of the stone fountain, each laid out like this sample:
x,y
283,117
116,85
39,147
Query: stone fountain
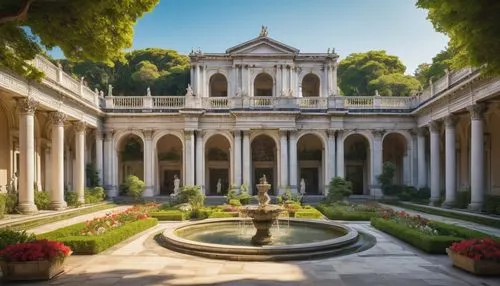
x,y
263,215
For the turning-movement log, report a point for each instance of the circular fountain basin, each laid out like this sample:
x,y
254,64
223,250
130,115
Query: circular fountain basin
x,y
296,239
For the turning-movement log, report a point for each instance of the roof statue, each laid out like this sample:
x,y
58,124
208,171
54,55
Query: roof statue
x,y
263,31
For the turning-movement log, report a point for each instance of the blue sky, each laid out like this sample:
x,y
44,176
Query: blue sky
x,y
396,26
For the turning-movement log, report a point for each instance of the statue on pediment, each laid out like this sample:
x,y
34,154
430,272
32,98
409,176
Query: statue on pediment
x,y
263,31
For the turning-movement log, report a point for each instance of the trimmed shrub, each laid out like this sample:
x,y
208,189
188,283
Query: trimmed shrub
x,y
134,187
81,244
8,237
435,244
71,199
422,194
3,202
235,203
308,213
42,200
338,190
223,214
174,215
463,199
92,175
491,205
342,213
94,195
386,178
191,195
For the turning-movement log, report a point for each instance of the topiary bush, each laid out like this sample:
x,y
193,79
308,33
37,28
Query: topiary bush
x,y
191,195
134,187
42,200
71,199
463,199
3,202
94,195
386,178
338,190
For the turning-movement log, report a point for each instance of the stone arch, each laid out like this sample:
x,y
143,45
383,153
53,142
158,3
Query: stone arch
x,y
5,146
218,85
395,150
264,158
159,134
263,85
311,85
311,160
217,163
129,148
169,161
272,134
357,160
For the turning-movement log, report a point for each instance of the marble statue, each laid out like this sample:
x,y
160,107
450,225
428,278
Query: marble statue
x,y
148,91
263,179
302,186
263,31
110,90
219,186
177,183
189,91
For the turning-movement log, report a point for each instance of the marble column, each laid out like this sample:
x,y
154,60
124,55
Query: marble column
x,y
339,144
79,186
198,81
434,128
237,159
108,164
422,170
148,163
27,107
334,80
38,160
246,160
204,87
200,161
328,79
48,168
293,162
330,158
99,155
57,163
477,156
191,75
451,161
376,170
189,164
284,161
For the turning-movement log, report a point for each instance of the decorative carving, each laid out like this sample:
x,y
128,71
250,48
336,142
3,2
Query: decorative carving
x,y
188,135
434,126
477,111
339,132
148,133
450,121
57,118
237,133
330,133
28,105
80,126
378,133
283,132
108,134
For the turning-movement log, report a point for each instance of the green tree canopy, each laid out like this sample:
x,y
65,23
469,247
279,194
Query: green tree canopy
x,y
166,72
358,70
93,30
473,28
436,69
394,84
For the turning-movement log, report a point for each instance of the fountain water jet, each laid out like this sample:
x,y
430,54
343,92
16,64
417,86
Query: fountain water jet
x,y
263,215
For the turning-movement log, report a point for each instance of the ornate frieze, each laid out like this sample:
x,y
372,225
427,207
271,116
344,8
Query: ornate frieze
x,y
80,126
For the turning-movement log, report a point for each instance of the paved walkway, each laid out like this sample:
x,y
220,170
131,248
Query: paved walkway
x,y
78,219
483,228
140,261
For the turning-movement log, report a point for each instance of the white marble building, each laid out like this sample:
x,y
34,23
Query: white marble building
x,y
262,107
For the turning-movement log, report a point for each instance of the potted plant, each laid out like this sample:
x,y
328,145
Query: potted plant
x,y
36,260
478,256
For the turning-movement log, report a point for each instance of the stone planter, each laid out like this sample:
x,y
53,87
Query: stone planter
x,y
478,267
31,270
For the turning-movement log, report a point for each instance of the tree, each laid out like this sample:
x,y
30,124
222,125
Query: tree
x,y
394,84
358,69
92,30
473,30
437,69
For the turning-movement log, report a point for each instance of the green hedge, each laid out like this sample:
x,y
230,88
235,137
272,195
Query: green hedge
x,y
3,202
428,243
463,216
223,214
308,213
175,215
94,244
338,213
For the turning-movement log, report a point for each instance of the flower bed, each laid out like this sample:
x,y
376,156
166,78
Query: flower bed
x,y
429,236
478,256
101,233
355,212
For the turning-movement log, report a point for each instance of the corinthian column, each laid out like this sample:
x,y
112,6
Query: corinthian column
x,y
237,159
477,156
148,163
434,127
27,107
246,160
57,193
99,155
79,175
451,161
293,162
377,162
340,153
422,171
200,161
284,161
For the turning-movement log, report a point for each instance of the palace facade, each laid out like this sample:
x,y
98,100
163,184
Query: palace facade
x,y
262,107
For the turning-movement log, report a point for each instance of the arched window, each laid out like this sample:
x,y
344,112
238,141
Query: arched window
x,y
218,85
263,85
310,85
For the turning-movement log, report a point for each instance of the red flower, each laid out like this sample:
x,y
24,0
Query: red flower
x,y
478,249
35,251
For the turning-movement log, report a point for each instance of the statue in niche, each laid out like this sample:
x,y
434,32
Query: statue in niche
x,y
219,186
302,189
177,183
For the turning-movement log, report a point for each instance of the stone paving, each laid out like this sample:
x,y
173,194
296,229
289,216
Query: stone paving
x,y
140,261
486,229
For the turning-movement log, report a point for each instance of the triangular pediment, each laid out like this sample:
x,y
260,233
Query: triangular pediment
x,y
262,46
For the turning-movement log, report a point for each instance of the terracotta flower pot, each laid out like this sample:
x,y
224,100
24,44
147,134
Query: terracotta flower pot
x,y
478,267
31,270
